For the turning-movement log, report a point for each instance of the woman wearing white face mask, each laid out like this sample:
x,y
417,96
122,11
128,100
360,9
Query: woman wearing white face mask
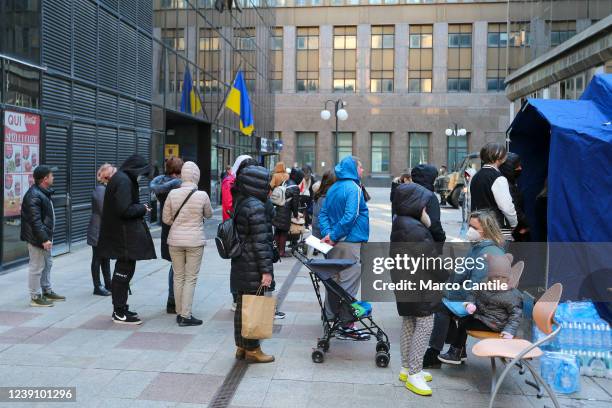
x,y
486,239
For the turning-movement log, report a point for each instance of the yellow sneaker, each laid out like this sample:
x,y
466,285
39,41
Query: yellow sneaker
x,y
403,376
416,383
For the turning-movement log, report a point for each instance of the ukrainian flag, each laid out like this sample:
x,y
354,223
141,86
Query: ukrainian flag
x,y
238,102
190,102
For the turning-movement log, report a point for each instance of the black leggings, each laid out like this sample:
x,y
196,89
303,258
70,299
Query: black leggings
x,y
98,264
459,337
124,272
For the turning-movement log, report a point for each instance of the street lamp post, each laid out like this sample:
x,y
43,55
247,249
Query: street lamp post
x,y
339,112
456,131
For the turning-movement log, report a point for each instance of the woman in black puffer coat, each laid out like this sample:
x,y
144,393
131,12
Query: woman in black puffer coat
x,y
253,268
410,234
283,214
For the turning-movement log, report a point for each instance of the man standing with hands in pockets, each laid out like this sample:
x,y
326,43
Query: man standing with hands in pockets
x,y
344,222
37,225
124,234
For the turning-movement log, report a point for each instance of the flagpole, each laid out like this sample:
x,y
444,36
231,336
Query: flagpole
x,y
226,95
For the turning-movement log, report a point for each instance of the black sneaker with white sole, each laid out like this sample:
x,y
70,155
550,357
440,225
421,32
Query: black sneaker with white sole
x,y
279,315
125,318
452,356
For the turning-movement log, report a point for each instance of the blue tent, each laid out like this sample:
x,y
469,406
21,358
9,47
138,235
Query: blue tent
x,y
568,143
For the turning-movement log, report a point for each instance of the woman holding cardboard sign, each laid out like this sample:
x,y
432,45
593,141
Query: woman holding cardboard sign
x,y
252,272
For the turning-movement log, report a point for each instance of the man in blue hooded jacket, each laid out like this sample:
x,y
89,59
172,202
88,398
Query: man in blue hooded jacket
x,y
345,224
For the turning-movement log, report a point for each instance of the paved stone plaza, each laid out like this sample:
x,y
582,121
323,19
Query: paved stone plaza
x,y
159,364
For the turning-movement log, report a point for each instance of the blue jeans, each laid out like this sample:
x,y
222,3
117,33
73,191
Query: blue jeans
x,y
171,284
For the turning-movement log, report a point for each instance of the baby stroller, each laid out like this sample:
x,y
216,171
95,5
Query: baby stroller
x,y
350,310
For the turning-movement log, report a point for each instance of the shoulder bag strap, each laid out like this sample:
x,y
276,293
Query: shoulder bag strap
x,y
184,202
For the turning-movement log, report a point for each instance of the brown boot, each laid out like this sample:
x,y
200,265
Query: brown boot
x,y
257,356
240,353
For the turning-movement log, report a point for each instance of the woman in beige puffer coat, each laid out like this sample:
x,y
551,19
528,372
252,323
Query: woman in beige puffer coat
x,y
186,239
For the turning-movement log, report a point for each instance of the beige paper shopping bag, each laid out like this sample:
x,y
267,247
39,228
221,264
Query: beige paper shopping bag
x,y
257,316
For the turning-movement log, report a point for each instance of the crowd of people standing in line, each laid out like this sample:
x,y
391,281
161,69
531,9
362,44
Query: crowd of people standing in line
x,y
335,206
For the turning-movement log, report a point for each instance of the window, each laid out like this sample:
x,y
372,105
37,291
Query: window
x,y
276,55
518,44
174,38
457,150
459,57
418,148
22,85
172,4
307,54
344,145
305,148
420,58
246,59
497,40
381,152
382,59
345,59
561,31
20,29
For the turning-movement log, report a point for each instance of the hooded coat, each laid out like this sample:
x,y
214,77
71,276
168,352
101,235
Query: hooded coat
x,y
425,175
254,230
187,230
226,195
508,170
161,186
97,203
283,213
410,236
124,233
344,215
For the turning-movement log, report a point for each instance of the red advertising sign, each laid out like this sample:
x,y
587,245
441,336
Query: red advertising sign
x,y
21,156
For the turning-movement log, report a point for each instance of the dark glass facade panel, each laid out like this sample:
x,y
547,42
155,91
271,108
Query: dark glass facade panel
x,y
22,85
20,29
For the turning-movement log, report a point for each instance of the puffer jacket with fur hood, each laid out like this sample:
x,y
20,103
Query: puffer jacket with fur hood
x,y
188,228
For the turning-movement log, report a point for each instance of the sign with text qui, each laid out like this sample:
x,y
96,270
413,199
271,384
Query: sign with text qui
x,y
21,156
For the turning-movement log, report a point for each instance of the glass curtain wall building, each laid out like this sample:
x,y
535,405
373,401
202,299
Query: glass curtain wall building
x,y
212,45
75,92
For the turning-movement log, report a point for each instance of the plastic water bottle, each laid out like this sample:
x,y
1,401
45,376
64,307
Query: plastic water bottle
x,y
598,365
607,340
570,334
578,335
588,335
597,336
548,370
562,337
566,380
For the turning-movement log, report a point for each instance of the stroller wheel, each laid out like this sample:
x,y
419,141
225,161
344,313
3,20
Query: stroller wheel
x,y
318,356
382,346
323,345
382,359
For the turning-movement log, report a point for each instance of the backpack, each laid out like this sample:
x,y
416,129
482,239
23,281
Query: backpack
x,y
227,240
278,196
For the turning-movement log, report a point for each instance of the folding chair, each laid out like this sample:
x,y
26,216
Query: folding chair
x,y
521,351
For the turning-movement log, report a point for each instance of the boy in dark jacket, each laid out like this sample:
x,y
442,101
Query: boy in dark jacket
x,y
124,234
37,224
499,311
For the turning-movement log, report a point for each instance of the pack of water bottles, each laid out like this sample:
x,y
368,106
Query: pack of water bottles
x,y
583,335
561,371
